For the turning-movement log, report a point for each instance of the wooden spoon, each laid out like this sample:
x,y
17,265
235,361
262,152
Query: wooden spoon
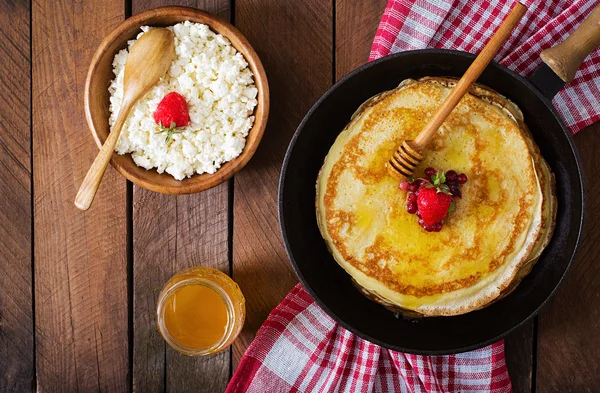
x,y
149,60
409,154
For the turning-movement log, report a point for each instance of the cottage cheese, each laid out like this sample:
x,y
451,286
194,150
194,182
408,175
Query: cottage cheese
x,y
219,89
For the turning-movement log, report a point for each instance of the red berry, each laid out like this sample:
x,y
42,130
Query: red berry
x,y
412,197
454,188
433,228
403,185
414,186
411,207
421,222
418,212
433,205
172,111
451,175
429,172
462,178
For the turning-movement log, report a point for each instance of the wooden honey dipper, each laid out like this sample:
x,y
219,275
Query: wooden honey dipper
x,y
408,156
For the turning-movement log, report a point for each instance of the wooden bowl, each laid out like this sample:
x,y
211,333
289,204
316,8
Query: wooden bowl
x,y
97,98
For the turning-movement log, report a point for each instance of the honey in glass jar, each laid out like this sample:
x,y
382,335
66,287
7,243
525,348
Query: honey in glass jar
x,y
200,311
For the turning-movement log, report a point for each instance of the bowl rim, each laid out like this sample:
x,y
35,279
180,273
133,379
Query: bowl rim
x,y
228,169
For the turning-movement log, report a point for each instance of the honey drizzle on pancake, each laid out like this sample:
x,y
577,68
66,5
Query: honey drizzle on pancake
x,y
427,266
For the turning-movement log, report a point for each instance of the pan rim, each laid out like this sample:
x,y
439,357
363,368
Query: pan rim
x,y
338,319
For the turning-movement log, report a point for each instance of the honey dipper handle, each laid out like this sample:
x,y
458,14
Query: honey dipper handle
x,y
470,76
566,57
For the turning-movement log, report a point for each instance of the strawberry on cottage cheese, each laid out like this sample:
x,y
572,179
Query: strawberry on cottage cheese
x,y
219,90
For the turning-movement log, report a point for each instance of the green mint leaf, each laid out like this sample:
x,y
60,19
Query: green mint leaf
x,y
452,207
442,177
438,178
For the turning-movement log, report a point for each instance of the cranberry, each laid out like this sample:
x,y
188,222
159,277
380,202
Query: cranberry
x,y
414,186
412,207
454,189
429,172
451,175
433,228
412,197
403,185
462,178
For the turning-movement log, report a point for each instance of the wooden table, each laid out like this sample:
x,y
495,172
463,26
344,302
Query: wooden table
x,y
78,290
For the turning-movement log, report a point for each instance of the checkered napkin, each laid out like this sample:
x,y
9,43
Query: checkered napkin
x,y
301,349
467,25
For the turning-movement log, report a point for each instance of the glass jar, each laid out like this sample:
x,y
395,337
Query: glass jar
x,y
200,311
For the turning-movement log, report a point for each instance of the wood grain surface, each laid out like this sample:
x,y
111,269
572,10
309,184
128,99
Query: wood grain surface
x,y
16,310
356,23
78,290
519,351
294,41
171,233
80,258
568,357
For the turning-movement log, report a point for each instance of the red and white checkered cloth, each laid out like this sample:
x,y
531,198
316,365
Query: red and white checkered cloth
x,y
468,25
301,349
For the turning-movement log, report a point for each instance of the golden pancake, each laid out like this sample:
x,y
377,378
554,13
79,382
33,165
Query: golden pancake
x,y
502,223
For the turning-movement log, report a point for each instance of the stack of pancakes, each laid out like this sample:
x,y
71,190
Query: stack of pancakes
x,y
501,224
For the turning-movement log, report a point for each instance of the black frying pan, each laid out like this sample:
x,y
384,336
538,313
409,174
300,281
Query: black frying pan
x,y
331,286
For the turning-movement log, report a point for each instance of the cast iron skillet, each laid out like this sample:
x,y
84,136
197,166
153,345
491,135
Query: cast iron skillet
x,y
331,286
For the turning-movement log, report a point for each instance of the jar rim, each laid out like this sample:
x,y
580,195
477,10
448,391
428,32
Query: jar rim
x,y
160,311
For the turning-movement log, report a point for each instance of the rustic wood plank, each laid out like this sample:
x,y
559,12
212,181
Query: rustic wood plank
x,y
518,348
294,41
80,258
154,234
171,233
16,304
355,27
568,340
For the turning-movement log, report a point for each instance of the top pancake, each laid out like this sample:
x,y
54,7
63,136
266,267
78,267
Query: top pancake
x,y
500,219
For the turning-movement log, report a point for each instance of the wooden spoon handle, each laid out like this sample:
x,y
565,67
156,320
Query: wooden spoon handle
x,y
470,76
565,58
87,190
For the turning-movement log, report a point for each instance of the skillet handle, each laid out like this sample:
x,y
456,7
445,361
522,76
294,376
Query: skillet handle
x,y
565,58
